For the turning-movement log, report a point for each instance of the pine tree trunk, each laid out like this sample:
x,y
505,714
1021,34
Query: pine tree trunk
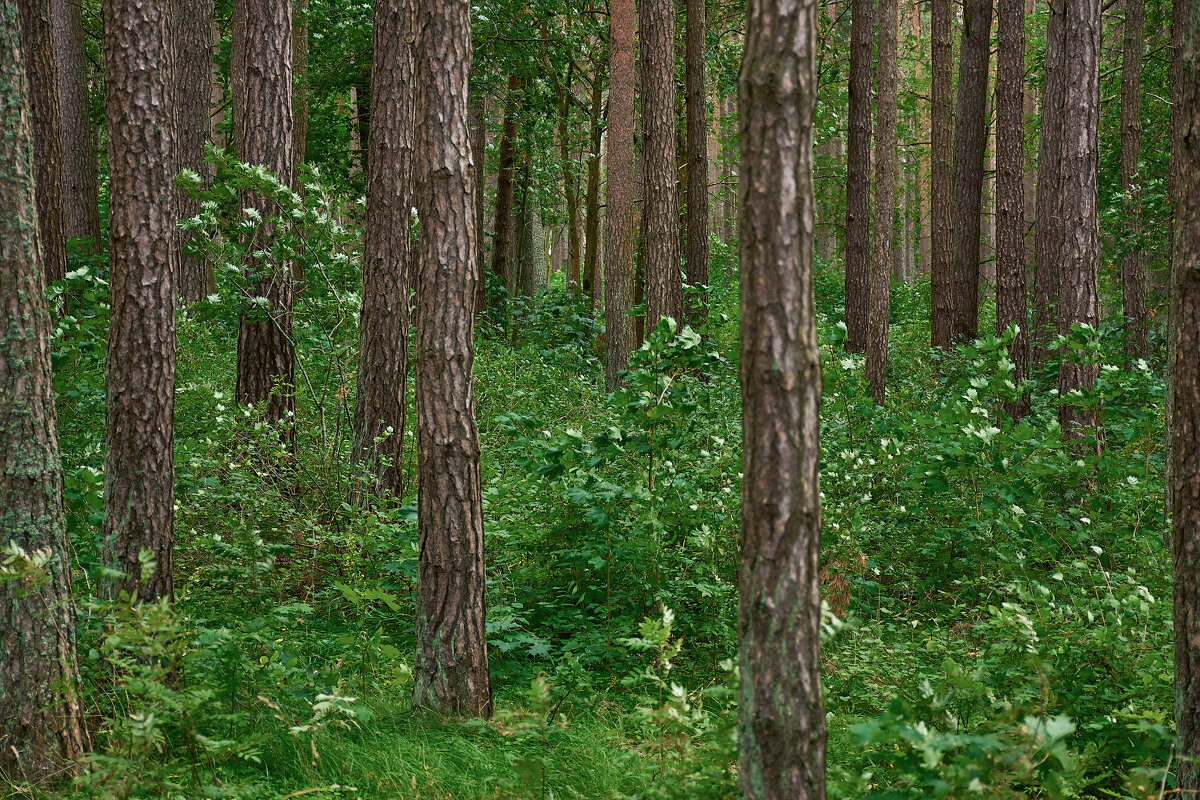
x,y
885,202
924,222
1181,24
1011,305
1078,293
383,333
970,142
139,479
781,719
266,352
451,668
619,216
81,205
37,43
1048,237
503,238
858,178
237,72
591,230
697,155
41,719
1133,272
941,130
300,91
193,91
570,180
477,123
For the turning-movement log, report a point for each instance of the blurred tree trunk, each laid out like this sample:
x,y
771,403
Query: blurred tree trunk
x,y
858,178
697,155
885,202
592,277
300,87
477,124
81,204
503,238
1049,213
941,170
1133,272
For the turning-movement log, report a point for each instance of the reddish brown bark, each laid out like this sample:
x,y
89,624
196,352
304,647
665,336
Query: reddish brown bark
x,y
941,132
193,90
619,216
1133,270
697,159
858,178
885,203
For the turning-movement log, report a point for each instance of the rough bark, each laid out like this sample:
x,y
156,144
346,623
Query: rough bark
x,y
1133,271
941,171
266,353
781,720
618,219
37,44
858,177
1180,22
664,282
383,333
139,479
1048,235
1011,305
193,91
41,719
970,144
697,159
300,90
563,93
503,239
237,72
1078,292
451,668
885,202
81,206
477,123
591,226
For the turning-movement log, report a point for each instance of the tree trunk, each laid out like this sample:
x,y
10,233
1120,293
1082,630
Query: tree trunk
x,y
383,333
664,283
266,351
1181,25
570,180
591,230
81,206
139,479
970,142
924,222
193,91
1010,190
941,130
477,123
781,719
1133,273
237,72
503,238
697,155
1048,238
858,178
885,202
619,216
1078,293
41,719
300,87
37,43
451,668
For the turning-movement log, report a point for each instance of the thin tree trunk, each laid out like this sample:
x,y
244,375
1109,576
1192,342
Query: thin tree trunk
x,y
503,238
451,668
781,719
41,719
193,91
237,72
81,206
885,202
139,477
570,180
858,178
697,154
477,123
1179,122
619,217
924,222
941,130
300,91
591,230
1048,238
1133,272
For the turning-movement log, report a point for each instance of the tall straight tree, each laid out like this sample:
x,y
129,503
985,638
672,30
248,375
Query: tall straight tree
x,y
266,352
885,202
503,236
139,467
1079,253
618,221
1185,379
300,87
383,333
858,177
451,665
41,719
1048,235
970,144
478,125
1011,305
37,43
697,154
664,283
1133,270
193,92
781,719
941,130
81,206
592,277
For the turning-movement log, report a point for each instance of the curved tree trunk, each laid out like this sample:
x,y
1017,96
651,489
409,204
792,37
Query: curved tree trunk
x,y
619,216
781,719
858,178
41,719
941,170
193,91
383,333
139,478
697,155
1133,271
885,203
81,204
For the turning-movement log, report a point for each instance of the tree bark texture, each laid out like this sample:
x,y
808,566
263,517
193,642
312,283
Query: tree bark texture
x,y
81,204
237,72
591,226
139,476
477,122
697,155
781,719
193,91
1048,204
41,719
858,177
451,667
885,202
619,217
502,242
1133,269
941,171
300,88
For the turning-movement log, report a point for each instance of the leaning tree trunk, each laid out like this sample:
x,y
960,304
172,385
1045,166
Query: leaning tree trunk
x,y
1078,292
885,203
193,91
858,178
970,144
81,205
1011,308
41,719
383,331
266,352
1133,270
37,43
664,283
618,220
941,130
451,668
139,478
697,154
1048,235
